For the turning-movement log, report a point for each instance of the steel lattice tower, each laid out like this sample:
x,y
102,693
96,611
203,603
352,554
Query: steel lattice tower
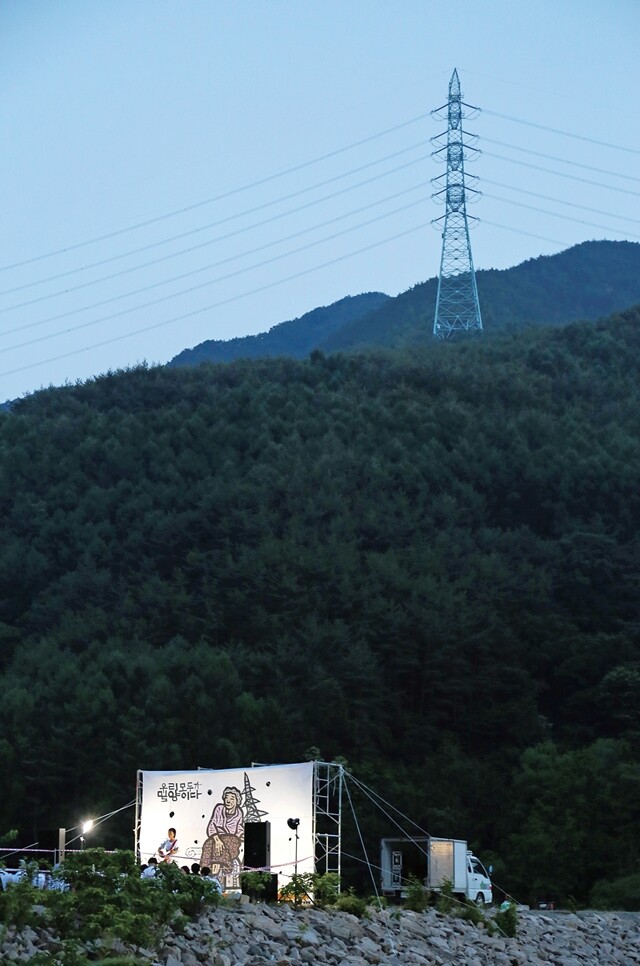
x,y
457,305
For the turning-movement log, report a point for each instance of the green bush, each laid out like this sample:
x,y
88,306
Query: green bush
x,y
445,902
298,889
470,912
190,893
255,883
348,902
417,899
507,920
107,899
326,889
18,900
378,901
623,893
322,890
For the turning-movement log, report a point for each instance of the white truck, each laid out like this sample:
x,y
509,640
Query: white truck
x,y
433,861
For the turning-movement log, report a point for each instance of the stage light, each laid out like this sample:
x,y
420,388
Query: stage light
x,y
293,824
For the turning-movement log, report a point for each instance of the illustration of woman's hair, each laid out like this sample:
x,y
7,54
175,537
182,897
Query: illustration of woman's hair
x,y
231,789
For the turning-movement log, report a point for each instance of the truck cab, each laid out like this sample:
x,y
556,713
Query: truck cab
x,y
478,882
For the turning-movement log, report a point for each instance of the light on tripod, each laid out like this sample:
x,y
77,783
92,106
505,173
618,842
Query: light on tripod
x,y
293,824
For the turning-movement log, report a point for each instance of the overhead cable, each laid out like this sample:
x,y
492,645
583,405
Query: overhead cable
x,y
559,201
562,174
557,214
214,281
554,157
206,268
390,936
220,197
529,234
566,134
191,248
215,305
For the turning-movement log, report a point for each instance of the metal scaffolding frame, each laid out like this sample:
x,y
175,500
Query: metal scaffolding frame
x,y
328,778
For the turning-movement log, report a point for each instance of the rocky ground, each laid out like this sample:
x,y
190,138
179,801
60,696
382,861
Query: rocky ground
x,y
254,935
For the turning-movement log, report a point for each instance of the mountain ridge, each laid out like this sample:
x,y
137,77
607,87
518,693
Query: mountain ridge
x,y
584,282
295,337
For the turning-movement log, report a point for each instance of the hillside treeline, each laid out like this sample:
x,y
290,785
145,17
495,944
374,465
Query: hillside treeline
x,y
425,563
587,281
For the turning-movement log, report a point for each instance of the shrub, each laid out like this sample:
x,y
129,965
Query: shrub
x,y
322,890
190,893
417,899
19,898
255,883
107,898
507,920
326,889
470,912
445,901
349,902
379,901
299,888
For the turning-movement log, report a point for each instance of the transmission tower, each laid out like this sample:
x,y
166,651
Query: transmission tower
x,y
457,305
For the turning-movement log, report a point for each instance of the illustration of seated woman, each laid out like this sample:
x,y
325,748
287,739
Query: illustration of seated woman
x,y
225,831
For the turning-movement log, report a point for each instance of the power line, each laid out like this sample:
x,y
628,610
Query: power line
x,y
222,221
257,208
555,214
529,234
215,305
566,134
205,268
214,281
553,157
193,248
220,197
559,201
561,174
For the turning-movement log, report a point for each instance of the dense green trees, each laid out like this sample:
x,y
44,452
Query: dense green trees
x,y
427,563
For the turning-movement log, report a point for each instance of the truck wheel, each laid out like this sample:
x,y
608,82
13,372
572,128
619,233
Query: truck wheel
x,y
480,900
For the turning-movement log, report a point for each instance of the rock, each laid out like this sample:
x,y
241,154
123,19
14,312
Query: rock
x,y
311,955
261,935
309,937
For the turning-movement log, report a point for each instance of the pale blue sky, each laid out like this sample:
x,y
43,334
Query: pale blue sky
x,y
118,112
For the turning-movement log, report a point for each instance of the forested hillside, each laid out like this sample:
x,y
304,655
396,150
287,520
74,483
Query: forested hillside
x,y
295,338
427,563
587,281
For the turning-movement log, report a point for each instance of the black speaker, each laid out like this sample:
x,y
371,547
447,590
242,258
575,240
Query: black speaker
x,y
257,845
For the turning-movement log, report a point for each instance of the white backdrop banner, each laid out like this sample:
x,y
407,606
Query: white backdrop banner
x,y
209,811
